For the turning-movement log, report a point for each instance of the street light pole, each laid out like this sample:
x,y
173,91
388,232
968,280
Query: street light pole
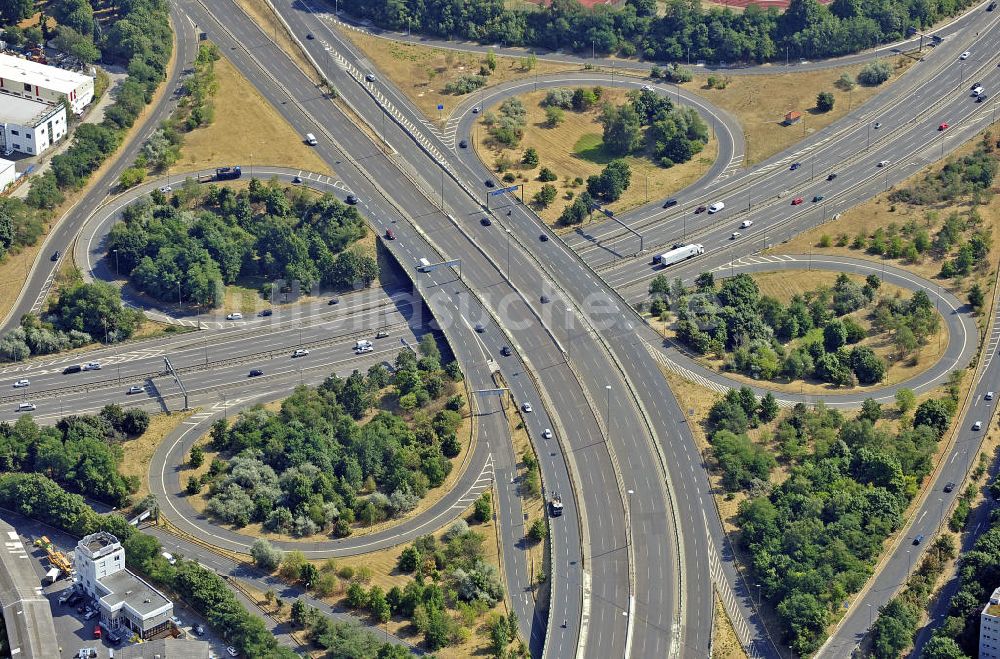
x,y
608,417
508,256
116,262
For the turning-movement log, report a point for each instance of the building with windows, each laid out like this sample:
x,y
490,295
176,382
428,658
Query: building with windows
x,y
28,126
46,84
989,628
125,601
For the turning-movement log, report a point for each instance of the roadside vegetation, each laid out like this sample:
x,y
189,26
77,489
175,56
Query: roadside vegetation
x,y
185,249
824,335
351,452
832,488
681,30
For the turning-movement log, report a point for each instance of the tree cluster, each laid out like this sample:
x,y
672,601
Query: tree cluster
x,y
971,174
187,252
312,468
683,31
507,128
814,538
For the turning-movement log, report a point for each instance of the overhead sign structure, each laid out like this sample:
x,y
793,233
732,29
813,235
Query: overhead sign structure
x,y
611,214
501,191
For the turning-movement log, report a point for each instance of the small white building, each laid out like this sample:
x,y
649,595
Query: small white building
x,y
44,83
125,600
8,174
28,126
989,628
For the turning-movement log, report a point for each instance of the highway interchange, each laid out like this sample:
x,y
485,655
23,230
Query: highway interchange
x,y
626,579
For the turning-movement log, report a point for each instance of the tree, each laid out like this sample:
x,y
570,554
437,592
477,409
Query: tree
x,y
554,116
537,530
265,555
940,647
834,335
96,309
80,46
867,366
612,182
197,456
874,74
545,196
934,414
768,408
499,638
870,410
193,485
482,509
530,157
976,296
622,129
905,400
378,605
825,101
546,175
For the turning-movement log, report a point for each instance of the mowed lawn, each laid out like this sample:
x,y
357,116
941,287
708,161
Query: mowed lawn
x,y
575,149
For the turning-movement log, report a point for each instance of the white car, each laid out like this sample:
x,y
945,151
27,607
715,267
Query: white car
x,y
883,163
526,407
301,352
135,389
236,315
165,189
736,234
746,224
988,396
978,425
21,383
964,55
26,407
547,433
232,652
169,557
647,88
92,366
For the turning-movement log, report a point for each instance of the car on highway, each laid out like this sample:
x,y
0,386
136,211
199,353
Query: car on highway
x,y
877,125
978,425
256,372
55,255
370,77
526,407
991,6
988,396
700,209
72,368
736,234
949,486
547,433
390,234
818,198
381,334
489,183
351,199
363,346
236,315
980,98
310,36
670,202
92,366
333,301
943,126
883,163
746,224
463,145
166,189
977,91
26,407
135,389
264,313
796,201
475,110
505,351
917,540
544,299
795,165
485,221
831,176
544,237
296,180
716,207
300,352
964,55
22,383
480,328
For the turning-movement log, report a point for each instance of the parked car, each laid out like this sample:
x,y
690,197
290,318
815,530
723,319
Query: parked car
x,y
232,652
198,630
64,597
89,614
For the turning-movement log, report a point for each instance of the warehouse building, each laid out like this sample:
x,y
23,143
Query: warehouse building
x,y
28,126
125,601
46,84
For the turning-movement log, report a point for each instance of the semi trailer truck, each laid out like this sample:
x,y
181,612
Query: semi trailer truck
x,y
678,254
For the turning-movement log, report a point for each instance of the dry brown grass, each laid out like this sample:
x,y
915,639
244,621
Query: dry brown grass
x,y
725,643
421,72
761,101
246,130
138,452
565,148
262,15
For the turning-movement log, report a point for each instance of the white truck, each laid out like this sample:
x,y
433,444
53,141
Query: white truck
x,y
363,346
679,254
424,265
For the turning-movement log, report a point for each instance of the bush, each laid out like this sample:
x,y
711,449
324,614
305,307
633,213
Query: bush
x,y
265,556
874,74
465,84
538,530
825,101
546,175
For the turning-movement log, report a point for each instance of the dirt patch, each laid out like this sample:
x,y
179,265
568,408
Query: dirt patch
x,y
421,72
725,643
246,130
139,452
573,150
761,101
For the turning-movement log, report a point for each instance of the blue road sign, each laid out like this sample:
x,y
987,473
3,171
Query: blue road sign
x,y
440,106
512,188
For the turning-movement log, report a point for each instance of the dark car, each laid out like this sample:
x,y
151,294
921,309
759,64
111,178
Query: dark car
x,y
489,183
390,234
56,254
310,36
700,209
949,487
980,98
818,197
75,368
917,540
333,301
480,328
992,6
505,351
975,84
544,237
297,180
264,313
831,176
795,165
669,202
463,144
351,199
256,372
485,221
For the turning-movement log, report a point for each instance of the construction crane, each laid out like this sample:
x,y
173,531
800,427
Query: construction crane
x,y
56,557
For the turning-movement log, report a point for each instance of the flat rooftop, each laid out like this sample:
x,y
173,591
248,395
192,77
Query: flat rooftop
x,y
43,75
128,589
993,609
166,648
30,630
24,111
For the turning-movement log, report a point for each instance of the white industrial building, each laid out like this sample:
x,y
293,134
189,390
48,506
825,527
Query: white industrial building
x,y
125,600
41,82
28,126
989,628
7,174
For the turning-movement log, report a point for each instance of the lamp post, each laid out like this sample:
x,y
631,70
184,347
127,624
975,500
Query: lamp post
x,y
508,255
116,261
608,417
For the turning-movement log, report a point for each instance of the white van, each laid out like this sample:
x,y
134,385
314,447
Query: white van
x,y
716,207
169,557
310,139
362,346
25,407
424,265
977,91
